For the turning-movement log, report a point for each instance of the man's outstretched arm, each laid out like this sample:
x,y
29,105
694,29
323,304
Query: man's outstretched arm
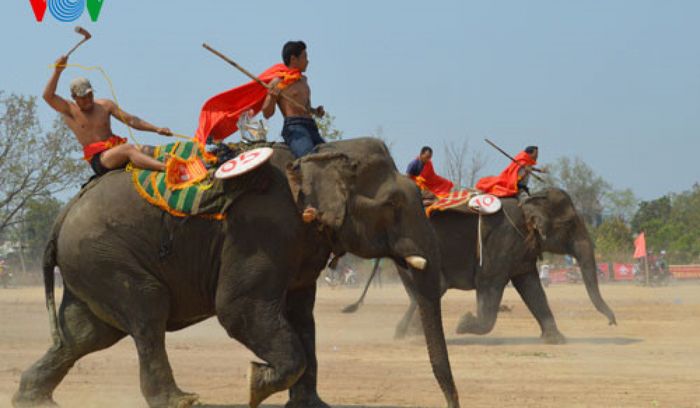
x,y
136,122
59,104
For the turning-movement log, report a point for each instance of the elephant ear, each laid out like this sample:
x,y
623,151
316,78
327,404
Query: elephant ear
x,y
323,181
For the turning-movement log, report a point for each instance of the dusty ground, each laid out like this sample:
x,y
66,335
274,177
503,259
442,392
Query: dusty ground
x,y
652,359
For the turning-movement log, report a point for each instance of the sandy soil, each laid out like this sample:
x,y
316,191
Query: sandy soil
x,y
652,359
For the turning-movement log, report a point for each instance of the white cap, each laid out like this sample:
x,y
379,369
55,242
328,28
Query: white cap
x,y
80,87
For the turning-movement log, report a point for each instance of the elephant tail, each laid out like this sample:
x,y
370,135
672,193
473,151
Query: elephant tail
x,y
355,306
49,265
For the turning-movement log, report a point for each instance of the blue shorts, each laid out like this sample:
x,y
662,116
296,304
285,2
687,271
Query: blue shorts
x,y
301,135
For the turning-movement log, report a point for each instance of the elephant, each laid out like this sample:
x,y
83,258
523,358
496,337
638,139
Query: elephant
x,y
511,242
256,270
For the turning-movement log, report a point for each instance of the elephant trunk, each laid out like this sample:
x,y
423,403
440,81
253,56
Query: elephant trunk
x,y
425,287
431,317
583,251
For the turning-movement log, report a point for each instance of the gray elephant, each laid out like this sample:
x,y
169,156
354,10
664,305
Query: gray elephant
x,y
511,242
256,270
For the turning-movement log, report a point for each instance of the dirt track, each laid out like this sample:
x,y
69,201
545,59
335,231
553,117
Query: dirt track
x,y
652,359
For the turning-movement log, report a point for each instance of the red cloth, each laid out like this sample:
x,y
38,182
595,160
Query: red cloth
x,y
506,183
99,147
640,246
219,116
429,180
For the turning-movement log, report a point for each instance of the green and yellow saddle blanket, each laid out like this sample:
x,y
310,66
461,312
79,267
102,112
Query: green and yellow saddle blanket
x,y
186,188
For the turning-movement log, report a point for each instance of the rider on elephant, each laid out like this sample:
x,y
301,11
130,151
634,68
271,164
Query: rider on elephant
x,y
300,131
422,172
287,87
90,121
219,116
514,179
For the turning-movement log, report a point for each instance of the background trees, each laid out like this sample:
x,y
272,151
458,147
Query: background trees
x,y
35,166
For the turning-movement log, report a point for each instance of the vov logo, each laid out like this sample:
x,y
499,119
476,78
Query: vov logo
x,y
66,10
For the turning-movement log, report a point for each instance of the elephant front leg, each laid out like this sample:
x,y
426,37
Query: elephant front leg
x,y
530,289
259,324
489,293
300,308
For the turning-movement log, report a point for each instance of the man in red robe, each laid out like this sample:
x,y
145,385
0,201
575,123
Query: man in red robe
x,y
514,179
422,172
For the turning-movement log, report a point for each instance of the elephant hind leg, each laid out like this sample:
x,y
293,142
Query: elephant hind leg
x,y
530,289
259,324
489,293
147,328
83,333
410,324
406,323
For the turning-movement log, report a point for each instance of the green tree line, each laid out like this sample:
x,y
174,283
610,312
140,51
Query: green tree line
x,y
614,217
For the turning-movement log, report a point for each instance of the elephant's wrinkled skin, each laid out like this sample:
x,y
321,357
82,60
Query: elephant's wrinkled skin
x,y
256,271
512,239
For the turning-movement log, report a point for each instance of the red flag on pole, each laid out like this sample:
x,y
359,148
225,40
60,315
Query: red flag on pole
x,y
640,246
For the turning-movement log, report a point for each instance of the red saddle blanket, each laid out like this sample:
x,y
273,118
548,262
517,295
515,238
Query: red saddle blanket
x,y
452,200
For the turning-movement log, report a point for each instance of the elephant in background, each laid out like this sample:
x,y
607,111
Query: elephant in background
x,y
256,270
512,240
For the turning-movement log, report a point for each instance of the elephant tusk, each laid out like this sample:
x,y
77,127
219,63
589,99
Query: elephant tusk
x,y
416,262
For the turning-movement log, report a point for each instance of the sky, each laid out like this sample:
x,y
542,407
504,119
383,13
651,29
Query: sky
x,y
615,82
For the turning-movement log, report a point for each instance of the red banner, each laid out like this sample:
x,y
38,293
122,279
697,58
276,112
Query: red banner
x,y
640,246
558,276
623,271
685,271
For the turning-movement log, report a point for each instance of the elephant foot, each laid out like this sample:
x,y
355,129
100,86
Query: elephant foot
x,y
314,402
415,329
183,400
467,323
553,338
258,380
172,399
23,401
400,331
473,325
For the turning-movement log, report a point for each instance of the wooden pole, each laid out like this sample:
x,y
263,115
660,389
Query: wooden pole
x,y
512,159
646,268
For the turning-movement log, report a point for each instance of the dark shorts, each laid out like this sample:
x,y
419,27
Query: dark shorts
x,y
97,165
523,187
301,135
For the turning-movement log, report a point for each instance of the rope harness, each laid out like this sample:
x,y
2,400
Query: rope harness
x,y
480,232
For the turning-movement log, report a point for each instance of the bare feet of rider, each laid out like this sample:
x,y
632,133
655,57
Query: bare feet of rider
x,y
309,214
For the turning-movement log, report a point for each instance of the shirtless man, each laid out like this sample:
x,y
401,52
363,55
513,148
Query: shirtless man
x,y
90,121
300,131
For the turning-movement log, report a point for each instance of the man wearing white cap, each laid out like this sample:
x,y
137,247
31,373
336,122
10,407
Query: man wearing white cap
x,y
90,121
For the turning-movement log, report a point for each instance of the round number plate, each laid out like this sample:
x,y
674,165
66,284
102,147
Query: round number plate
x,y
243,163
485,204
